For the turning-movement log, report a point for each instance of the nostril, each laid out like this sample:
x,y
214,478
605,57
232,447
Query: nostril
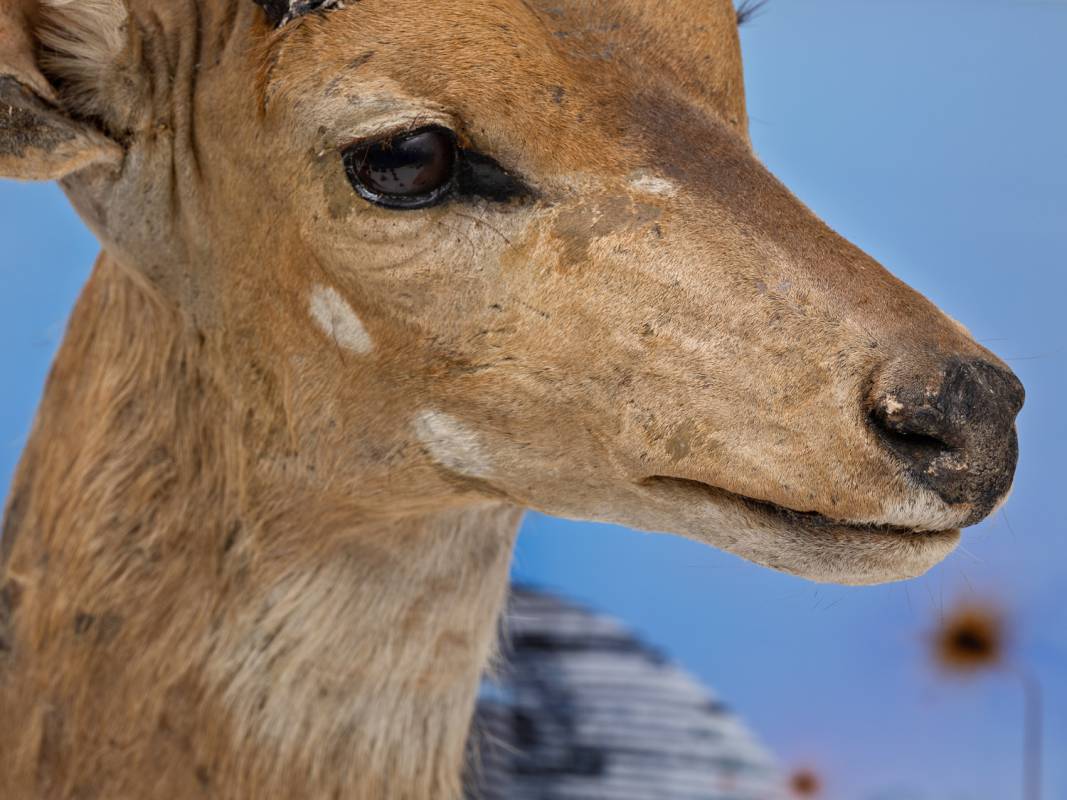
x,y
918,435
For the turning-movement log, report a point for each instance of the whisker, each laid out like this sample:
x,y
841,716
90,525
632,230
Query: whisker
x,y
748,10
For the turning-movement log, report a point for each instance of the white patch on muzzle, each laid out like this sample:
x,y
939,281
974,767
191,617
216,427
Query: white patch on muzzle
x,y
924,511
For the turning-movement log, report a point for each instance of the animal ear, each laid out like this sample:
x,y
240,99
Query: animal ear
x,y
38,139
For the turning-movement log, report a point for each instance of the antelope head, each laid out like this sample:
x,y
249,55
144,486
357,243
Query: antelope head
x,y
515,251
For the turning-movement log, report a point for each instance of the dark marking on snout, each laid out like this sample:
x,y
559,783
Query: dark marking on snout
x,y
712,162
692,147
578,228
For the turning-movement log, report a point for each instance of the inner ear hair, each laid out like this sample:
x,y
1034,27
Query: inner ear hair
x,y
80,45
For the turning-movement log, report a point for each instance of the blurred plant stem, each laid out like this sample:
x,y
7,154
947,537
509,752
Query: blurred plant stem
x,y
1032,731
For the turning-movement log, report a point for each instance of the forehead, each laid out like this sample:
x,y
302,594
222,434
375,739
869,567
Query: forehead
x,y
551,67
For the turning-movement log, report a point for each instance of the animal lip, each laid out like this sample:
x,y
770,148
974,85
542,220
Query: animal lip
x,y
783,516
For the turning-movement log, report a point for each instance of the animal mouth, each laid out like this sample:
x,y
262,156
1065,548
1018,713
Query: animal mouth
x,y
781,517
802,543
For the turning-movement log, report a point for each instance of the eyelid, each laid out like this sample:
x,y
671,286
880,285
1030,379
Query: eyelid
x,y
392,130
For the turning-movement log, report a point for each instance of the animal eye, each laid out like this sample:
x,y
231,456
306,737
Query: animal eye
x,y
412,170
425,167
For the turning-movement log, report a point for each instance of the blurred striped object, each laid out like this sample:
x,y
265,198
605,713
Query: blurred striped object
x,y
582,710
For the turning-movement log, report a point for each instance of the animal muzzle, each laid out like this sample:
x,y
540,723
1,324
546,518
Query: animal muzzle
x,y
952,426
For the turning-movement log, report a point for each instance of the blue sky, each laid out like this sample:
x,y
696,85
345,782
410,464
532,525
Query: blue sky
x,y
932,133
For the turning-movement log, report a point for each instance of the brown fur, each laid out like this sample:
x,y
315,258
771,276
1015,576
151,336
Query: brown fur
x,y
258,542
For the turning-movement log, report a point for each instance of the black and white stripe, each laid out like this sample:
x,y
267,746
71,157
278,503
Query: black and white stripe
x,y
582,710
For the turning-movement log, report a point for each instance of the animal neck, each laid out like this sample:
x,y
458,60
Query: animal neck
x,y
185,609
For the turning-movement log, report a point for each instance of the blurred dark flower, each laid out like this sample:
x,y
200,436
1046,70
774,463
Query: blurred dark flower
x,y
805,783
969,639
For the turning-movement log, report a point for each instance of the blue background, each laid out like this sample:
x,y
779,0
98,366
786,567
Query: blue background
x,y
933,134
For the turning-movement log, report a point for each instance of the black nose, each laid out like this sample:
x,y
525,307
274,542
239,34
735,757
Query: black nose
x,y
954,428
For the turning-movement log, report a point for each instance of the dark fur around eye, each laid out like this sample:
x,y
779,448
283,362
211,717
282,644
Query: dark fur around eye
x,y
481,176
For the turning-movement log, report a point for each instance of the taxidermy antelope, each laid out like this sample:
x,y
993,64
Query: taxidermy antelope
x,y
375,278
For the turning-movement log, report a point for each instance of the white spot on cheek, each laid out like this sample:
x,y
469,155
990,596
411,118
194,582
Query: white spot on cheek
x,y
650,184
452,444
338,321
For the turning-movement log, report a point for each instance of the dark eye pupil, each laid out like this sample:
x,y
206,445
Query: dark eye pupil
x,y
413,167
